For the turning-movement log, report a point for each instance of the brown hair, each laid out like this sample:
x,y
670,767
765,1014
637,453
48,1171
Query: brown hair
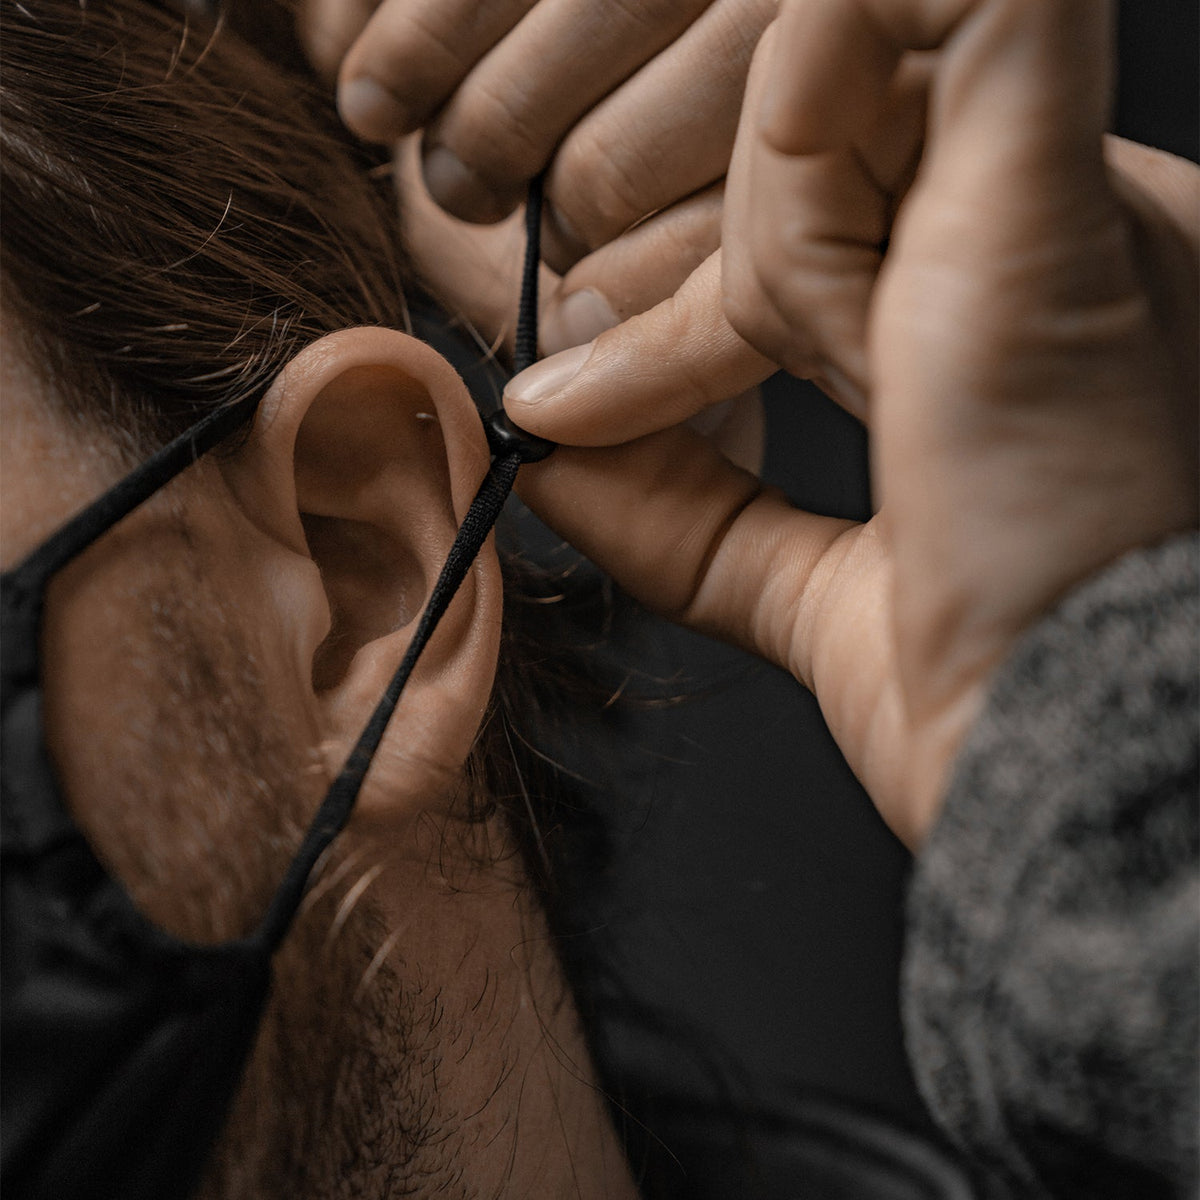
x,y
178,219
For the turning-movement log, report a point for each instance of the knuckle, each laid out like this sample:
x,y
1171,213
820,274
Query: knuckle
x,y
489,128
759,302
646,16
602,183
742,295
415,60
688,241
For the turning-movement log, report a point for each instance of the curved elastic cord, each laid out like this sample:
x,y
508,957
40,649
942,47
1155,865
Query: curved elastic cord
x,y
511,447
525,344
339,800
22,587
123,497
502,433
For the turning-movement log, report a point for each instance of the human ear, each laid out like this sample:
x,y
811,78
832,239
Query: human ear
x,y
362,461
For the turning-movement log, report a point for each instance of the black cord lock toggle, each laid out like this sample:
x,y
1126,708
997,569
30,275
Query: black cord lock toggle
x,y
506,438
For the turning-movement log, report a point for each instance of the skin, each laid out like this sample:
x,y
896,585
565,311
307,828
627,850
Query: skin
x,y
827,599
420,1029
477,270
630,107
1024,354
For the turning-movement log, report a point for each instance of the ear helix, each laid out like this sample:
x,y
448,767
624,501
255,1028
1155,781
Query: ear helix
x,y
511,447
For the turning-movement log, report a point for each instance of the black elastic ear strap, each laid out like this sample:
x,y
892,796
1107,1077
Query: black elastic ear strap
x,y
22,587
138,486
502,433
525,344
510,448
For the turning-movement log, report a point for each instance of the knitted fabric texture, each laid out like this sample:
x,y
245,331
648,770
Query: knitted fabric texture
x,y
1052,967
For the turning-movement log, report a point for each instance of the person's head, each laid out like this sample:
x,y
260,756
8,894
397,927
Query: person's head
x,y
183,229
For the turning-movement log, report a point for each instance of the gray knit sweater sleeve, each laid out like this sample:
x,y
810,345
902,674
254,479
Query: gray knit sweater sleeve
x,y
1052,969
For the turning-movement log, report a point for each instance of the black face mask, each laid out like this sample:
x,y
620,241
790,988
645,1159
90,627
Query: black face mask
x,y
122,1045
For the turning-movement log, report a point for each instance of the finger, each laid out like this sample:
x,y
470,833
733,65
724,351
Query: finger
x,y
804,238
694,538
698,541
474,271
1020,383
663,135
1034,76
635,272
1012,221
655,370
1161,194
737,428
411,57
327,29
813,100
502,124
805,234
1161,181
475,274
1036,79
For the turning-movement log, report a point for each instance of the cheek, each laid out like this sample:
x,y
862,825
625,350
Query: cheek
x,y
44,479
180,753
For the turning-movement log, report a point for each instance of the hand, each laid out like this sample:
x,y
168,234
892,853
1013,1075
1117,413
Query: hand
x,y
1025,353
475,270
633,103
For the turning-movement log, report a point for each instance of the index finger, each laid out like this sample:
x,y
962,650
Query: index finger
x,y
653,371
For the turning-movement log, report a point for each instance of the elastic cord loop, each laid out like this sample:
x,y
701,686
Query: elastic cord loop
x,y
511,447
504,435
339,800
138,486
23,587
525,343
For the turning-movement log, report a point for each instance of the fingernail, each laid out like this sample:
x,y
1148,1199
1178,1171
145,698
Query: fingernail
x,y
460,189
581,317
371,110
545,379
447,177
562,235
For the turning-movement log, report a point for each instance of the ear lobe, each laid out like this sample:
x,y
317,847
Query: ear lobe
x,y
363,460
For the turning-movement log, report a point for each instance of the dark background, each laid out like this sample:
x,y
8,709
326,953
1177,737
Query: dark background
x,y
749,915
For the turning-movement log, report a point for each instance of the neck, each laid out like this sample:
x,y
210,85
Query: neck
x,y
423,1037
